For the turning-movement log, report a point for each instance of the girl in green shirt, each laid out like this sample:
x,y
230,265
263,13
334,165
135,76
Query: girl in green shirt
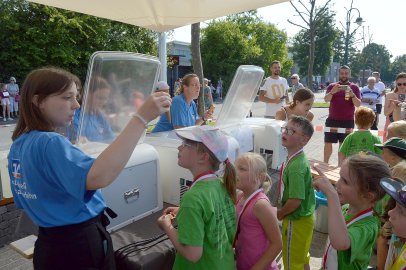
x,y
206,217
353,228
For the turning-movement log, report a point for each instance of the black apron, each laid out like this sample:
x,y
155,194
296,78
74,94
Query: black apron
x,y
84,246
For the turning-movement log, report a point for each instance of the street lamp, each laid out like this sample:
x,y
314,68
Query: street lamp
x,y
348,35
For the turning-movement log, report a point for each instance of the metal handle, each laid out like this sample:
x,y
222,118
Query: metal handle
x,y
132,195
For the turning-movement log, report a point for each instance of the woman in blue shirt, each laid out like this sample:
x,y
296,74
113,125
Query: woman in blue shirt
x,y
56,183
184,109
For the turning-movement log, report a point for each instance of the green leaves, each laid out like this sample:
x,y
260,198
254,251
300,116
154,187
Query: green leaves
x,y
241,39
35,35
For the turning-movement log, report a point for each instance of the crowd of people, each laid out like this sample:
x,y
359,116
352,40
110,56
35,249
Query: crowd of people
x,y
9,100
360,216
223,221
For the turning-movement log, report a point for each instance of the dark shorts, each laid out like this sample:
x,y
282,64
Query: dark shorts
x,y
378,108
331,137
80,246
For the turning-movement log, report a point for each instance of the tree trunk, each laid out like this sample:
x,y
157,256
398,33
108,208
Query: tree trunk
x,y
312,46
197,64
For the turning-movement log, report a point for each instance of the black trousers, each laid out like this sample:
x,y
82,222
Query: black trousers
x,y
84,246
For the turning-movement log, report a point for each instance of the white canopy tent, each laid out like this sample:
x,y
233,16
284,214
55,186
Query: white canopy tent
x,y
159,15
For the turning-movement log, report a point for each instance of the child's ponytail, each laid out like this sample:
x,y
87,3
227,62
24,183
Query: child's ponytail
x,y
229,179
229,174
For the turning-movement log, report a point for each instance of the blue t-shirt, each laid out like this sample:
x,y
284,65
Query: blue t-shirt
x,y
48,179
96,127
182,114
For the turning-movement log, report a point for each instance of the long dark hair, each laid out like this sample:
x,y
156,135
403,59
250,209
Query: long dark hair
x,y
300,96
43,82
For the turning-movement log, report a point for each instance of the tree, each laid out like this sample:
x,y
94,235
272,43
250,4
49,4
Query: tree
x,y
313,18
398,65
374,57
325,37
239,40
49,36
270,40
197,62
339,49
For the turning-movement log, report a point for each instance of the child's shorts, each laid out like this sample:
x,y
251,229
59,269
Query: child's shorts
x,y
5,101
296,237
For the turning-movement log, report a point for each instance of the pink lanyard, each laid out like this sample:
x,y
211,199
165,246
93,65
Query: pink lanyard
x,y
202,176
244,207
359,216
283,168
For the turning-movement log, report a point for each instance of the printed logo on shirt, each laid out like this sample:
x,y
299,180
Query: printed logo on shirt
x,y
15,164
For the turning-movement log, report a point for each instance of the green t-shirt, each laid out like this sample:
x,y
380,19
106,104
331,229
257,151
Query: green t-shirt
x,y
360,141
207,218
297,180
363,234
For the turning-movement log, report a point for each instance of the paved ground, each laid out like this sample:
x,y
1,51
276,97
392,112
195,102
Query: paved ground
x,y
11,260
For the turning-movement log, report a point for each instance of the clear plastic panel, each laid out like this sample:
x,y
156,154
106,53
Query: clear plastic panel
x,y
240,96
117,84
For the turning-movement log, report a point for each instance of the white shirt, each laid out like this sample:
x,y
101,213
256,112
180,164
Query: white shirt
x,y
274,88
372,94
381,87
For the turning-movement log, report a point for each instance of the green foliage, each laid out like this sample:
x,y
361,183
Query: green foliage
x,y
339,48
398,65
35,35
326,35
241,39
375,57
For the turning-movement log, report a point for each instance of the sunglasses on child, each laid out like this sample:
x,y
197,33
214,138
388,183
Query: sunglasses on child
x,y
400,84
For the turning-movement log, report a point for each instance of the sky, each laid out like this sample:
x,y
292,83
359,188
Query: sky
x,y
384,19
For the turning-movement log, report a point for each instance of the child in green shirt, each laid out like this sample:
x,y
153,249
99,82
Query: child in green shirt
x,y
353,228
296,195
361,140
206,217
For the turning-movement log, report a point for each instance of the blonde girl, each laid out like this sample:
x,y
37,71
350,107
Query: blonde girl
x,y
353,227
206,215
397,129
258,239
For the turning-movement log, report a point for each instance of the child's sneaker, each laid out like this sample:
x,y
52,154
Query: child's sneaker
x,y
10,119
5,119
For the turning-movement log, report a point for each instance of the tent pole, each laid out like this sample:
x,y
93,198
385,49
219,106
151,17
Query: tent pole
x,y
162,56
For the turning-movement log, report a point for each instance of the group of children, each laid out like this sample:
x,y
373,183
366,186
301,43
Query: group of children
x,y
207,230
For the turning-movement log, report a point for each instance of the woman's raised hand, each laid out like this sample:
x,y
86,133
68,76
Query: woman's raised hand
x,y
155,105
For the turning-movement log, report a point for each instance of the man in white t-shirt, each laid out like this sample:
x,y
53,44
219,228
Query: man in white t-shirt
x,y
382,91
274,91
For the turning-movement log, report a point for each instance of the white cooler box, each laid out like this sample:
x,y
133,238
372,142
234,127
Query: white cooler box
x,y
268,140
260,135
136,192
